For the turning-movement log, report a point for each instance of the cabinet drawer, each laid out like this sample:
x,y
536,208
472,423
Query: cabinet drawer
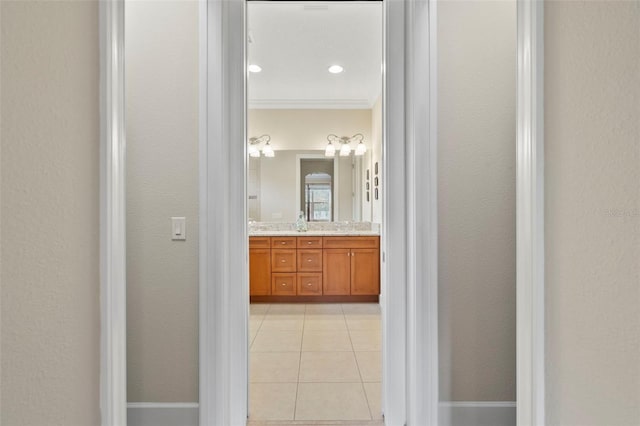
x,y
283,260
309,242
351,242
283,284
283,242
310,284
310,260
260,242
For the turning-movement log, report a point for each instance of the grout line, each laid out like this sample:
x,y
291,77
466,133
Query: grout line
x,y
295,403
364,391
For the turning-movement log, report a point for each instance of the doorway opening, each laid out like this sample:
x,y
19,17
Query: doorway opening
x,y
315,196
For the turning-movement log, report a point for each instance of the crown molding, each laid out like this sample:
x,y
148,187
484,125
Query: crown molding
x,y
311,103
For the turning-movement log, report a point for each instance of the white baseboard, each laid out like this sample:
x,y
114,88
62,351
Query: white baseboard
x,y
465,413
162,414
478,413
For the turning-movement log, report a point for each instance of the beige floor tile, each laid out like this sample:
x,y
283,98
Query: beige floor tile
x,y
331,401
258,308
326,341
370,365
366,340
363,322
325,322
324,308
283,322
272,401
328,367
277,341
287,309
360,308
374,397
273,367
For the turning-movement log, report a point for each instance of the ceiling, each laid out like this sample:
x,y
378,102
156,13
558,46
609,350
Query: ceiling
x,y
296,42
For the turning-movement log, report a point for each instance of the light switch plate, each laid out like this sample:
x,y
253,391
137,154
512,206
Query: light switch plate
x,y
178,228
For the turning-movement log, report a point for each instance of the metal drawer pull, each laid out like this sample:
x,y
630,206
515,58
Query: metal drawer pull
x,y
308,260
283,261
309,242
309,284
284,284
283,242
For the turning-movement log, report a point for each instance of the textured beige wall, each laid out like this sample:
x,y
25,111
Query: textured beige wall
x,y
49,208
162,181
476,212
592,208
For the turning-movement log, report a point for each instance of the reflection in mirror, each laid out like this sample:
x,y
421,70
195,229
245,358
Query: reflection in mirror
x,y
316,178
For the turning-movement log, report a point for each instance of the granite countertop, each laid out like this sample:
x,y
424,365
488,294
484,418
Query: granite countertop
x,y
325,233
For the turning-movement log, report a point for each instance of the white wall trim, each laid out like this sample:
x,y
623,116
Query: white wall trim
x,y
113,355
162,414
422,212
224,289
478,413
530,215
311,104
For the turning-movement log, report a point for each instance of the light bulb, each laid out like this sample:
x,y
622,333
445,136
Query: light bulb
x,y
254,151
345,150
330,151
268,150
360,149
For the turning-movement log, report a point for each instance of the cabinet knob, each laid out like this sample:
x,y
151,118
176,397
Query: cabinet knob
x,y
283,242
309,242
309,284
284,284
283,261
308,260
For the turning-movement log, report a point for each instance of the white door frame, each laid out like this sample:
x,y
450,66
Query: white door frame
x,y
410,360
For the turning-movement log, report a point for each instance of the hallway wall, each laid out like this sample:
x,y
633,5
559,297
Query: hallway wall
x,y
476,199
50,312
592,208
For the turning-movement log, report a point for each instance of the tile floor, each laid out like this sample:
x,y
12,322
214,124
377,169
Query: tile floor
x,y
315,362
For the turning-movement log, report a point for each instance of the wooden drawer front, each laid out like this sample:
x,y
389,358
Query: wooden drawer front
x,y
309,242
283,260
283,284
310,260
310,284
259,242
351,242
283,242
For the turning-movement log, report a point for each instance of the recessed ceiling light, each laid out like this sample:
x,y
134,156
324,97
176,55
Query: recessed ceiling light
x,y
335,69
255,68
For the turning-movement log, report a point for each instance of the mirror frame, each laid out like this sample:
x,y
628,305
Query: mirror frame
x,y
410,328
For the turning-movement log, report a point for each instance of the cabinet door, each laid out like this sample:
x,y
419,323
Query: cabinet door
x,y
259,272
336,272
365,271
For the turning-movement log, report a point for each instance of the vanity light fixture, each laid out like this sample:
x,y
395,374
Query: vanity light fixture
x,y
255,68
267,149
344,144
335,69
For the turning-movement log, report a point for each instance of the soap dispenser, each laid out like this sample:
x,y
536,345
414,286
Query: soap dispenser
x,y
301,223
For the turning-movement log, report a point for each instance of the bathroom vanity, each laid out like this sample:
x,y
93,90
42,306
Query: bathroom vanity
x,y
314,266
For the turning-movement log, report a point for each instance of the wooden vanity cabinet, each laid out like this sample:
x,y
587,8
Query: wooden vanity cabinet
x,y
306,268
